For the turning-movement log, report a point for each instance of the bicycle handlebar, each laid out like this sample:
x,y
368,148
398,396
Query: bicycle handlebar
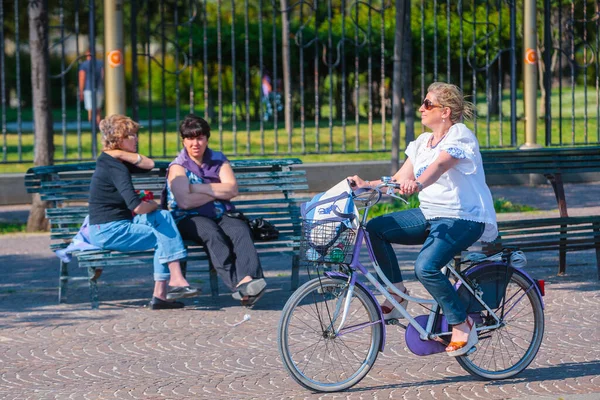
x,y
386,182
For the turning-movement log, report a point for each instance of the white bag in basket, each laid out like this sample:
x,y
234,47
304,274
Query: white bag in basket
x,y
333,206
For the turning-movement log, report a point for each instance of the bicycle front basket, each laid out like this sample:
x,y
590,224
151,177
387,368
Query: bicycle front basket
x,y
326,241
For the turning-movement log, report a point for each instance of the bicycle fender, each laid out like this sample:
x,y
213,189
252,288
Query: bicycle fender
x,y
477,269
339,275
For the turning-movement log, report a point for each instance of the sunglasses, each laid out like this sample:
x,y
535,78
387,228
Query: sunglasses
x,y
428,105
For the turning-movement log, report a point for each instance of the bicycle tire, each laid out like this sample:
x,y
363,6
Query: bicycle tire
x,y
304,327
506,351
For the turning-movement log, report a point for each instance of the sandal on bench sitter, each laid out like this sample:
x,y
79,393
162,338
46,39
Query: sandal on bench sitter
x,y
248,289
180,292
249,301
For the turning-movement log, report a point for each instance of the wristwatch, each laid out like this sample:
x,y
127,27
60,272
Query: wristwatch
x,y
419,185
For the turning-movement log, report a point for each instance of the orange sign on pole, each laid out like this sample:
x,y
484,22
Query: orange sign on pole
x,y
531,56
115,58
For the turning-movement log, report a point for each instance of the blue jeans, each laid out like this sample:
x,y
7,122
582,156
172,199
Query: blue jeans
x,y
156,230
442,239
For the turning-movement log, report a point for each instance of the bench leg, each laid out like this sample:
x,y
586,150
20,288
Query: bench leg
x,y
63,282
559,192
93,275
295,271
214,283
597,244
562,262
183,265
598,261
562,252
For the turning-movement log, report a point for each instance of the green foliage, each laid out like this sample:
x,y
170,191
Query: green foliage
x,y
393,205
12,227
501,205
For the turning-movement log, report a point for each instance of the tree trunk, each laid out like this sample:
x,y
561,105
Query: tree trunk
x,y
397,84
210,104
287,71
337,95
541,72
40,83
494,101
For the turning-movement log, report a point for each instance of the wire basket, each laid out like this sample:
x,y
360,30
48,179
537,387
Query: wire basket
x,y
326,242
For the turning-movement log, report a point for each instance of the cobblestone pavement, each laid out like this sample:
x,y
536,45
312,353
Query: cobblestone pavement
x,y
125,351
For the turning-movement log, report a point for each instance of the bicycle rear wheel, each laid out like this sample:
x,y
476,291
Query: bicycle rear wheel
x,y
506,351
315,355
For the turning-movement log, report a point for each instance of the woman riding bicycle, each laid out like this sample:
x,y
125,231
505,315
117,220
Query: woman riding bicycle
x,y
456,208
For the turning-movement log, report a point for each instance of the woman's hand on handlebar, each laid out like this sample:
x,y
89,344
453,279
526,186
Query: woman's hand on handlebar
x,y
357,182
408,187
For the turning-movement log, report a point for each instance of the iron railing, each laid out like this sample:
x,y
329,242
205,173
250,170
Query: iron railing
x,y
217,59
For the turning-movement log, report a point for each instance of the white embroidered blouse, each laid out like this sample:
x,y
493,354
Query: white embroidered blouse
x,y
461,192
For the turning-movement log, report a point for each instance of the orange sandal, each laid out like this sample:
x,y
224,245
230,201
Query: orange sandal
x,y
456,349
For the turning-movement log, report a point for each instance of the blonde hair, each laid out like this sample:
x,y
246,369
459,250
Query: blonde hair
x,y
451,96
115,128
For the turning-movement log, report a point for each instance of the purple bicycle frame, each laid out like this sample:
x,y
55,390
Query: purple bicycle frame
x,y
356,265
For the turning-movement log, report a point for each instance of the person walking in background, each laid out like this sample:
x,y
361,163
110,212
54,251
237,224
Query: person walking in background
x,y
267,88
119,220
85,85
200,185
456,209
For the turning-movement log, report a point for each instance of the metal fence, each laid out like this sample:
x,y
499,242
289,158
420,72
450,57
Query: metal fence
x,y
225,60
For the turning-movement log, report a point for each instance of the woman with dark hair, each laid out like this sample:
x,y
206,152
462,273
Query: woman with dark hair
x,y
119,220
200,185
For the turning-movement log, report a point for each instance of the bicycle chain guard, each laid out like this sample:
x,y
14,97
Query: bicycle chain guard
x,y
424,347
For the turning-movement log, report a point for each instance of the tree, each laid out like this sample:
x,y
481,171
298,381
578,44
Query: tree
x,y
397,81
40,83
408,98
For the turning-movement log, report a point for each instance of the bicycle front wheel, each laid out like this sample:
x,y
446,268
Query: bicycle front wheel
x,y
315,354
506,351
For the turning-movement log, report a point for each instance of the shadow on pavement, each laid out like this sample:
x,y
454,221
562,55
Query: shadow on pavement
x,y
529,375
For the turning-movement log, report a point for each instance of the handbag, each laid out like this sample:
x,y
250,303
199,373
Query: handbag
x,y
262,230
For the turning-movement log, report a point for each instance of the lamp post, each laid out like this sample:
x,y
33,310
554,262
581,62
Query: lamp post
x,y
114,65
530,72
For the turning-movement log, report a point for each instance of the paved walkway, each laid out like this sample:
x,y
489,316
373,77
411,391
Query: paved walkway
x,y
125,351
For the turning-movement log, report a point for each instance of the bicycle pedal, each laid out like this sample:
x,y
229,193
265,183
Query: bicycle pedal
x,y
395,322
471,351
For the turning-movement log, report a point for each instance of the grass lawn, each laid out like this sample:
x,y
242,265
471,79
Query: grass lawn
x,y
333,141
12,227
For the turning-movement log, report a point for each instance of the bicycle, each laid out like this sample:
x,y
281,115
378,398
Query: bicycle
x,y
332,328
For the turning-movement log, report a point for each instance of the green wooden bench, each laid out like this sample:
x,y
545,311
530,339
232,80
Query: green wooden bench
x,y
563,233
268,189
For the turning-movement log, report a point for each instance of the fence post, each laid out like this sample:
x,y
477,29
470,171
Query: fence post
x,y
530,72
